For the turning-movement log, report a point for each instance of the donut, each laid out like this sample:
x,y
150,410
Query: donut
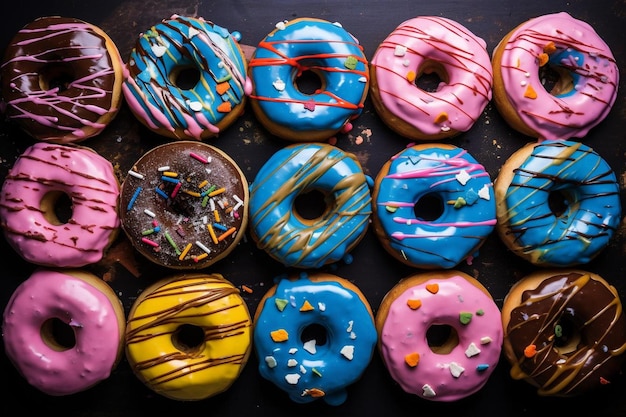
x,y
582,72
314,336
557,203
434,206
436,49
59,205
302,239
321,52
62,79
187,78
183,205
63,330
439,335
189,336
564,331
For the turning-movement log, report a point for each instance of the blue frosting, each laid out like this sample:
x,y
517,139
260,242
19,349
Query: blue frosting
x,y
569,59
468,213
324,48
299,169
290,364
590,218
171,46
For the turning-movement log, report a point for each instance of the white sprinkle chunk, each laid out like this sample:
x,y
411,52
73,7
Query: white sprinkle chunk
x,y
456,370
347,351
271,361
428,391
363,80
302,369
193,32
445,128
195,105
400,50
560,361
472,350
337,24
321,306
463,177
350,325
280,25
293,350
352,335
485,340
158,50
279,85
149,213
163,168
292,362
484,193
292,378
310,346
135,174
202,246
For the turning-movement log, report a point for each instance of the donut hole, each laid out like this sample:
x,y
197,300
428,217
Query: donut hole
x,y
311,205
567,336
58,335
188,338
56,207
428,207
442,338
559,202
185,77
430,76
314,331
556,80
57,75
308,82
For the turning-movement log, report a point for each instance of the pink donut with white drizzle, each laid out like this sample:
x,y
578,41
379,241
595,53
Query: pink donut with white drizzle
x,y
430,45
39,318
583,70
34,218
413,317
62,79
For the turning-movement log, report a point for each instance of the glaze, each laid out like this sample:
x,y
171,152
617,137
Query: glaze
x,y
309,369
327,50
429,44
30,191
62,79
442,299
572,46
463,189
85,308
592,213
555,364
195,113
157,352
296,170
183,205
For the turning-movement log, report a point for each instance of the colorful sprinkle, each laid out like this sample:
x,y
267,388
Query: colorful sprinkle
x,y
226,234
412,359
414,304
279,335
281,303
441,117
432,288
530,92
313,392
465,317
306,306
131,203
530,351
482,367
351,62
185,252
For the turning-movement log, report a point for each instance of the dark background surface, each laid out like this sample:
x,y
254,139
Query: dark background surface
x,y
490,141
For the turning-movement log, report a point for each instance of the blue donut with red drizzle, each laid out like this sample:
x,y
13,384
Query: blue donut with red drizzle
x,y
558,203
322,49
165,59
314,336
277,226
434,206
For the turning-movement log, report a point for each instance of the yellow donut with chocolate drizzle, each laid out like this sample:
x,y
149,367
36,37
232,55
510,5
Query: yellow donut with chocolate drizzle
x,y
564,331
189,336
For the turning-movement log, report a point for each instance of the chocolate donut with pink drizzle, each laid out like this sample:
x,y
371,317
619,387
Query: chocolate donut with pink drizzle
x,y
62,79
445,50
585,85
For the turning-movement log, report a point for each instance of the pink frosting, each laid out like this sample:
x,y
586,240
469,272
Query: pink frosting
x,y
474,357
586,55
463,56
46,295
81,174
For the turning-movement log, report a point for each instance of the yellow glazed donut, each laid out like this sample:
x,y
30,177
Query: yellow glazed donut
x,y
189,336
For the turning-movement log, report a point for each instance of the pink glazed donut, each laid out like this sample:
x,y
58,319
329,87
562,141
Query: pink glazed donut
x,y
430,45
583,93
33,191
49,359
413,317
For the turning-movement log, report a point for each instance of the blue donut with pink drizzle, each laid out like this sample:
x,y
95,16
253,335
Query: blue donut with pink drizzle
x,y
187,78
314,336
434,206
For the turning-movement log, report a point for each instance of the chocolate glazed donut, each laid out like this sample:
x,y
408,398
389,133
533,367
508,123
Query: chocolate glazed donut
x,y
567,335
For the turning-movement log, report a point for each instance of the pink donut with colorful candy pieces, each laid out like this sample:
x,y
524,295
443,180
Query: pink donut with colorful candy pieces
x,y
427,45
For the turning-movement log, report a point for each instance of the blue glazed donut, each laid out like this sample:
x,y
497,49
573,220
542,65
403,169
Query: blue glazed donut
x,y
296,170
434,206
328,51
323,363
157,63
550,234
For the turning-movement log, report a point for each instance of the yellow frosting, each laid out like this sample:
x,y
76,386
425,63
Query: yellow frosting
x,y
154,349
